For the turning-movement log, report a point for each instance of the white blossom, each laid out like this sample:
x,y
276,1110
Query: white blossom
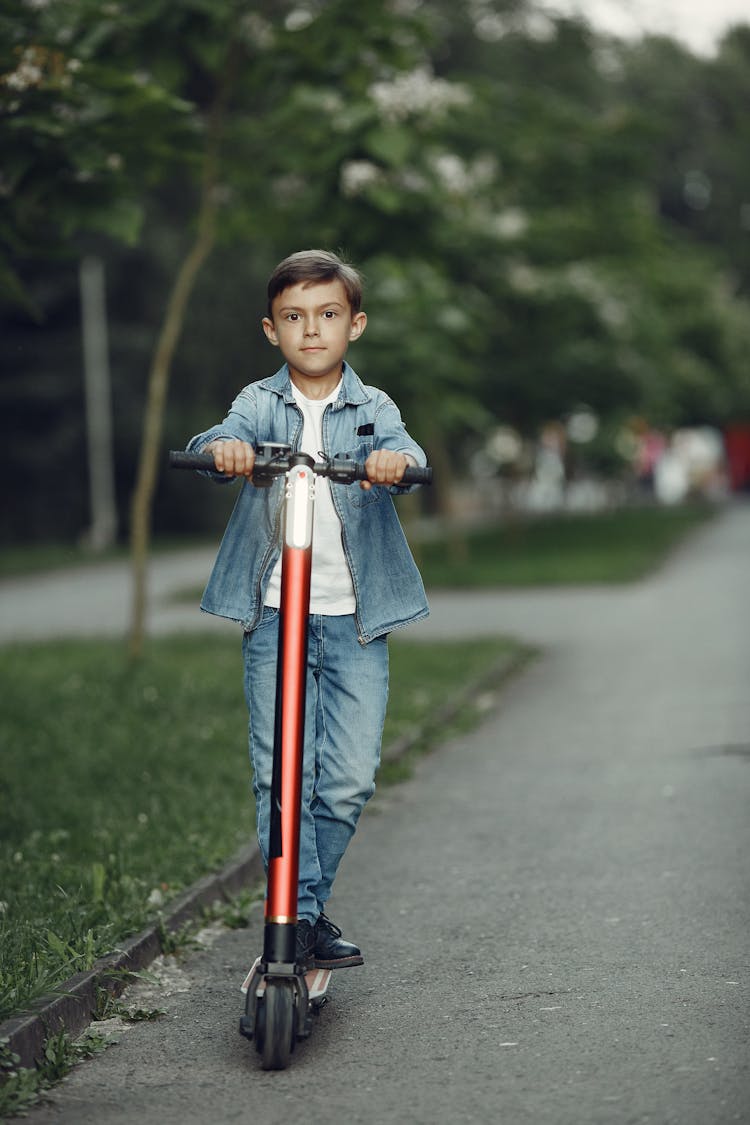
x,y
356,175
461,177
537,25
453,319
452,172
510,223
524,278
584,280
412,181
491,25
298,19
257,31
28,72
419,93
330,102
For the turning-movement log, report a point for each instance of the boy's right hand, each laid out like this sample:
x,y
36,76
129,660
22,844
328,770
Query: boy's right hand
x,y
233,458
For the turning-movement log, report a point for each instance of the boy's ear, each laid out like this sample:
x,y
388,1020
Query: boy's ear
x,y
270,331
359,323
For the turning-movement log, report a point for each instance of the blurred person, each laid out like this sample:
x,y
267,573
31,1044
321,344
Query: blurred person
x,y
364,580
650,446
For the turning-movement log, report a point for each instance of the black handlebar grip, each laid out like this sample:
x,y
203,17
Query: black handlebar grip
x,y
178,459
414,475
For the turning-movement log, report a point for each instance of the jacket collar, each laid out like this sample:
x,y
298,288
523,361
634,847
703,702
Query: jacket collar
x,y
352,393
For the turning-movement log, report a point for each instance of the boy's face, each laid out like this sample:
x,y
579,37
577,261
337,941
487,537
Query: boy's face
x,y
313,326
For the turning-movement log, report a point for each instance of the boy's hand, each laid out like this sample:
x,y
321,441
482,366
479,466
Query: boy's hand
x,y
233,458
384,467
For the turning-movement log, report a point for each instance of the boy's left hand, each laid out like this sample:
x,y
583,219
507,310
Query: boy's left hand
x,y
384,467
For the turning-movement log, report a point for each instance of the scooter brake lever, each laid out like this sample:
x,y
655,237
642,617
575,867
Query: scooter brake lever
x,y
341,471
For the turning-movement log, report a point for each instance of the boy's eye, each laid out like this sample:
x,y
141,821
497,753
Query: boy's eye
x,y
329,314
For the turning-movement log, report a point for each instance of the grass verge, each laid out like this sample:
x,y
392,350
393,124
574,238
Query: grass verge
x,y
617,546
124,783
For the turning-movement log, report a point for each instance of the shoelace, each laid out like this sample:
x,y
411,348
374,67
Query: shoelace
x,y
325,923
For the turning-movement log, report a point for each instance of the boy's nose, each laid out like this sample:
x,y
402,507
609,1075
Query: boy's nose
x,y
311,327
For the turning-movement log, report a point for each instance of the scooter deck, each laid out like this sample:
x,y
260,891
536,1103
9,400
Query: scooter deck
x,y
317,981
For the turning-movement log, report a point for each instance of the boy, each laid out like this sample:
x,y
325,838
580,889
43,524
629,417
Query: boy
x,y
364,580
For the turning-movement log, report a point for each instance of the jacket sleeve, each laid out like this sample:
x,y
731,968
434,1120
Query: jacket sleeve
x,y
240,424
391,433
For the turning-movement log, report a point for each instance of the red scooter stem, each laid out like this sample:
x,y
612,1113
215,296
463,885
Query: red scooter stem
x,y
283,867
279,936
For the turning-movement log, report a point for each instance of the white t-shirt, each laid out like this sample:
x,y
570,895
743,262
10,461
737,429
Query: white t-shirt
x,y
331,589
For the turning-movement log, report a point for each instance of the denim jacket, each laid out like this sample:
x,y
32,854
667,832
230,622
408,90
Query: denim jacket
x,y
387,584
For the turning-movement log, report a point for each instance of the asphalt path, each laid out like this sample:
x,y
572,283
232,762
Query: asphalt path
x,y
554,911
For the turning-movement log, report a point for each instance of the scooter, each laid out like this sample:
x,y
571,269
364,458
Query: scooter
x,y
281,995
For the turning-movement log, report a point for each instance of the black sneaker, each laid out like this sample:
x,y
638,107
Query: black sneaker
x,y
305,950
331,951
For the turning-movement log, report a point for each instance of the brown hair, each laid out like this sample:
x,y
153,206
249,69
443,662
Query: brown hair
x,y
313,266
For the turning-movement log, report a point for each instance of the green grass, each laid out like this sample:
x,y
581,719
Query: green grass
x,y
19,560
617,546
122,784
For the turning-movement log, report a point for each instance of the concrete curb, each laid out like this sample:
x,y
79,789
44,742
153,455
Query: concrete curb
x,y
71,1008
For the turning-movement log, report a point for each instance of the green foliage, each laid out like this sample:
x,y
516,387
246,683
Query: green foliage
x,y
21,1088
86,124
699,142
544,217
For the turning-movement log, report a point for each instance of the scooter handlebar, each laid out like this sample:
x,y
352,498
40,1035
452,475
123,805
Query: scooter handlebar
x,y
179,459
339,469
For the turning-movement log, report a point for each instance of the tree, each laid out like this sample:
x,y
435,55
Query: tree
x,y
504,177
699,139
85,126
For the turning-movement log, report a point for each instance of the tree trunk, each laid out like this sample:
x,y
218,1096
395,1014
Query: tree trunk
x,y
153,423
443,462
161,367
103,529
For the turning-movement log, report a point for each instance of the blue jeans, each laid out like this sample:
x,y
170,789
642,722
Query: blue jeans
x,y
347,692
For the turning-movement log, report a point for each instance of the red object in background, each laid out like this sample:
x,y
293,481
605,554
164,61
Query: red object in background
x,y
737,444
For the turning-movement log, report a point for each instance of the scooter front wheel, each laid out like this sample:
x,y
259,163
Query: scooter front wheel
x,y
275,1029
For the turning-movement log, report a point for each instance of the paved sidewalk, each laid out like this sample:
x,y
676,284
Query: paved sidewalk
x,y
554,912
95,600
